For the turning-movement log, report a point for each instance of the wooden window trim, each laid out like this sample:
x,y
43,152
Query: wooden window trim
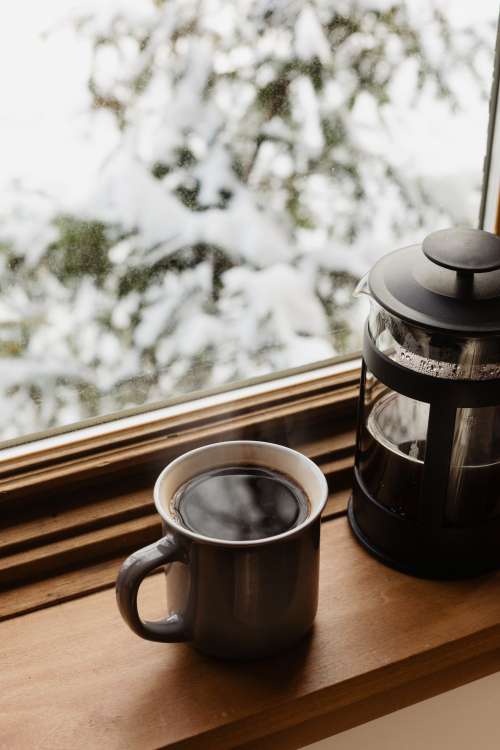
x,y
72,510
125,429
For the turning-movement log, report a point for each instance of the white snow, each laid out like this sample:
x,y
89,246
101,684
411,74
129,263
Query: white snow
x,y
293,212
281,292
310,41
306,114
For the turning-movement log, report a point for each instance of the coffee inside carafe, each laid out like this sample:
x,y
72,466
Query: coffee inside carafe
x,y
391,460
393,456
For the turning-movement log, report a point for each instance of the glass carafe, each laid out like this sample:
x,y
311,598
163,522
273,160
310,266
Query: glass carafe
x,y
426,485
395,426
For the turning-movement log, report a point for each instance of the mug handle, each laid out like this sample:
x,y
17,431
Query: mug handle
x,y
132,572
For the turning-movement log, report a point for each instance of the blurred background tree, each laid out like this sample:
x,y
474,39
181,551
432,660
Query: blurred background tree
x,y
251,182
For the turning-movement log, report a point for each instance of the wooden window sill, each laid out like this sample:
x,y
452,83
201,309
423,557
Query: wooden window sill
x,y
73,675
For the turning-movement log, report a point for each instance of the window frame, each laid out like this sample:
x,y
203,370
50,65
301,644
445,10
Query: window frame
x,y
137,426
104,429
489,211
76,502
72,552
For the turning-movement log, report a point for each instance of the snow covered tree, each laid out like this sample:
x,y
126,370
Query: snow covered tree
x,y
251,183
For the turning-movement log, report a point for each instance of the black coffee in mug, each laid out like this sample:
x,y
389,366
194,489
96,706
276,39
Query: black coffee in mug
x,y
241,520
240,503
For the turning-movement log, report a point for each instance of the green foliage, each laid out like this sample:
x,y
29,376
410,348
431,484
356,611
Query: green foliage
x,y
160,170
139,278
273,97
81,249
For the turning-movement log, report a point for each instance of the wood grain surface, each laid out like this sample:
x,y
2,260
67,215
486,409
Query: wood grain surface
x,y
74,676
75,579
76,529
291,412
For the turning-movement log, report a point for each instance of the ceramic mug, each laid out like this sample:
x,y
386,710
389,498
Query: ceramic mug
x,y
232,599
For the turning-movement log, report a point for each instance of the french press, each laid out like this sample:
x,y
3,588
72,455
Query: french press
x,y
426,494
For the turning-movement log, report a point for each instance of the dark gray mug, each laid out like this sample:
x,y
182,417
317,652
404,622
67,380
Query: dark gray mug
x,y
231,599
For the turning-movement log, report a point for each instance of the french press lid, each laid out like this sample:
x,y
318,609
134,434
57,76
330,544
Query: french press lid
x,y
450,283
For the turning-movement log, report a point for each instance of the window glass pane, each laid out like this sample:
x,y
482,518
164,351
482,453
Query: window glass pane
x,y
191,189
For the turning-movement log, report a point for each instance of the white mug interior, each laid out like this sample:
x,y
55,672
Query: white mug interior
x,y
284,460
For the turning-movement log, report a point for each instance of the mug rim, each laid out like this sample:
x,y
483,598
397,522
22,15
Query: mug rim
x,y
183,531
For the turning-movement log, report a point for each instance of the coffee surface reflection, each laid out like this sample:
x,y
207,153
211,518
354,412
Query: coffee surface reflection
x,y
240,503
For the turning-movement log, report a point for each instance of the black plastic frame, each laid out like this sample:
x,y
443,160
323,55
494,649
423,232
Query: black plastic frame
x,y
423,387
